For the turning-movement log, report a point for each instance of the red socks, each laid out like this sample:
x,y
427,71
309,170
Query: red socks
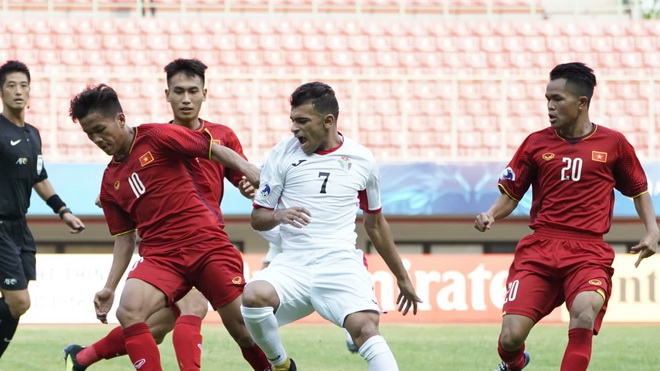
x,y
256,358
515,360
187,340
111,346
578,350
142,348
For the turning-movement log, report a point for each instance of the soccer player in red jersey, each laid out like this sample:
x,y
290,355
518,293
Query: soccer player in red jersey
x,y
149,186
186,93
573,167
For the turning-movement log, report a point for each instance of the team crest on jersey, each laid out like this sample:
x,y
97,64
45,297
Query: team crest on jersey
x,y
217,141
345,163
237,280
265,190
146,159
595,282
548,156
508,174
116,185
599,156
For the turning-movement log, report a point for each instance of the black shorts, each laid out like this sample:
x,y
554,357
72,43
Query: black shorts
x,y
18,264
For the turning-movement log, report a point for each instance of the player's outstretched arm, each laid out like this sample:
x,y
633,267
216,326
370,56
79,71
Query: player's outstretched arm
x,y
501,208
122,253
380,235
649,242
263,219
229,158
46,191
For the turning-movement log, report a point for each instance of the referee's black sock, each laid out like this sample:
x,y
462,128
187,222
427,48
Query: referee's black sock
x,y
8,325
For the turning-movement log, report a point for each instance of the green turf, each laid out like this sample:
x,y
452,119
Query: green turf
x,y
416,347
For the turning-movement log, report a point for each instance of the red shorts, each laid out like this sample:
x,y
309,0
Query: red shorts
x,y
217,272
552,267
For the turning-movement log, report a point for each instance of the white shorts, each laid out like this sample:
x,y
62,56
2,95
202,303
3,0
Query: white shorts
x,y
335,283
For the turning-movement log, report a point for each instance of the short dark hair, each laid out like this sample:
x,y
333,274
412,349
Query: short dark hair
x,y
580,79
320,95
13,66
190,67
99,98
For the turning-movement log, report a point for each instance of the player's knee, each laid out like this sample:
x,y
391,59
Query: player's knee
x,y
583,318
197,307
127,317
19,306
511,340
259,294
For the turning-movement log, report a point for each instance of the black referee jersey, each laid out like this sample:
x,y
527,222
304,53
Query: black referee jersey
x,y
21,166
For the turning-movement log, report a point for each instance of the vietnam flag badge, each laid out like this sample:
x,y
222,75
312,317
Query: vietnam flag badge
x,y
599,156
146,159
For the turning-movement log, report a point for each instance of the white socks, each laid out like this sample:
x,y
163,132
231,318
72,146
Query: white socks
x,y
378,355
262,326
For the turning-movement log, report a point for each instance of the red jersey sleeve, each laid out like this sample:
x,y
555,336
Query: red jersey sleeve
x,y
182,140
231,141
519,173
119,221
628,172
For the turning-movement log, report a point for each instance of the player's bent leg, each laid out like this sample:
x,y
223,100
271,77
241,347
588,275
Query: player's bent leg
x,y
139,301
18,301
235,325
111,346
514,332
363,327
259,301
13,304
511,342
584,310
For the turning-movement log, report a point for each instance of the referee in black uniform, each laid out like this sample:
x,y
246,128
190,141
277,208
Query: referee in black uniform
x,y
21,169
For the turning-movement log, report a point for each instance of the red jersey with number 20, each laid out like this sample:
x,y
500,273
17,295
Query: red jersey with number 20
x,y
573,180
153,189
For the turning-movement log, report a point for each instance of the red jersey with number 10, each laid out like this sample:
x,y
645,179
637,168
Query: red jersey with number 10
x,y
153,189
573,180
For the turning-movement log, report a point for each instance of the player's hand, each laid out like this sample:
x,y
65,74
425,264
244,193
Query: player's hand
x,y
73,222
646,246
484,221
246,188
103,303
296,216
407,297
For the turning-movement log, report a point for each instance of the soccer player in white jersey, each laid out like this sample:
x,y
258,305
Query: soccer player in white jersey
x,y
312,186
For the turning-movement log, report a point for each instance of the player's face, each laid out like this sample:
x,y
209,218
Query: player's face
x,y
563,106
310,127
107,132
16,91
185,95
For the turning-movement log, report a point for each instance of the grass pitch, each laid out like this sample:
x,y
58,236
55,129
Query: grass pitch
x,y
322,347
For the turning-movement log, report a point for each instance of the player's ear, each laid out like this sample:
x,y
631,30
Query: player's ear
x,y
328,120
584,103
167,94
121,119
204,91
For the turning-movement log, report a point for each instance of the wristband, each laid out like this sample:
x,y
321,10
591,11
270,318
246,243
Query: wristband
x,y
64,211
55,203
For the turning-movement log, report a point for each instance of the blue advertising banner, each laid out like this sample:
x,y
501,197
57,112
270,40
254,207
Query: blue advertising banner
x,y
408,189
